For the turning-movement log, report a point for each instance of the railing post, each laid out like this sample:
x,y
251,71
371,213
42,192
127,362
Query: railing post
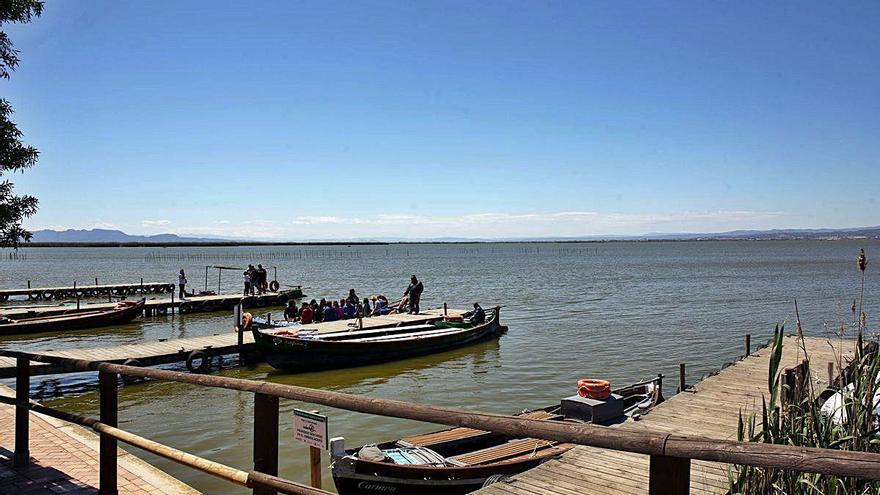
x,y
107,383
669,475
265,438
748,345
22,412
315,466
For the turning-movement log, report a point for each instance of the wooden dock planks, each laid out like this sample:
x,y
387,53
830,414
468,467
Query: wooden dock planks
x,y
710,409
177,350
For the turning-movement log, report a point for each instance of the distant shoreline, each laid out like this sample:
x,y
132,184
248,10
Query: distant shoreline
x,y
391,243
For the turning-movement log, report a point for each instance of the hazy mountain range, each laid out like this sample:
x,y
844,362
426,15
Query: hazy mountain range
x,y
117,236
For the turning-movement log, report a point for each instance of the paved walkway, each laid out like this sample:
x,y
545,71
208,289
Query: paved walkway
x,y
64,459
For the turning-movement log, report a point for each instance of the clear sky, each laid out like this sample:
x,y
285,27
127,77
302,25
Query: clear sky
x,y
321,119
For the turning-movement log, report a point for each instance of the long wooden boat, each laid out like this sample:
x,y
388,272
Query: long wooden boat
x,y
124,312
303,350
460,460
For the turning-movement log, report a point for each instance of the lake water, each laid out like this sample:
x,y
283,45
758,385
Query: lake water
x,y
622,311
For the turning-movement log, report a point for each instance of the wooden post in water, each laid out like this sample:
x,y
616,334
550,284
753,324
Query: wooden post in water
x,y
22,413
748,345
669,475
109,416
219,276
445,310
206,277
96,280
29,284
265,438
171,309
681,383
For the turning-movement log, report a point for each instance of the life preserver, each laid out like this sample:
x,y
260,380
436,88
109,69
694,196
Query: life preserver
x,y
246,320
594,389
274,285
130,378
202,366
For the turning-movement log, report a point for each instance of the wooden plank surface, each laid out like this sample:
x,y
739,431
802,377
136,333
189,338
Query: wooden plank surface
x,y
710,409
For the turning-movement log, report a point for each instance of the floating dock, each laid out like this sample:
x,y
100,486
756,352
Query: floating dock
x,y
64,459
192,304
87,291
709,409
182,350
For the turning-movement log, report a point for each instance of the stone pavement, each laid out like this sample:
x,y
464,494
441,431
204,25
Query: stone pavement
x,y
64,459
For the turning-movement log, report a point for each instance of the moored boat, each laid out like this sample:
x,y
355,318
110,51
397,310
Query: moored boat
x,y
309,350
123,312
461,460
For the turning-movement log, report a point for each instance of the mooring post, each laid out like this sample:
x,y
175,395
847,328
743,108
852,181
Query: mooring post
x,y
830,374
171,309
669,475
206,277
107,384
96,280
29,284
681,382
265,438
22,413
748,345
238,330
445,310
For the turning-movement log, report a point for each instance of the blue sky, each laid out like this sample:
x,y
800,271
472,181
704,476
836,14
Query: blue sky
x,y
299,120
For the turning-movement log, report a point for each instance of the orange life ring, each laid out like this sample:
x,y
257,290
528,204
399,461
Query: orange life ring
x,y
594,389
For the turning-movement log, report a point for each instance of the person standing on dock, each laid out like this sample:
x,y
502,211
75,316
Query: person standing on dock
x,y
261,279
247,282
181,284
414,291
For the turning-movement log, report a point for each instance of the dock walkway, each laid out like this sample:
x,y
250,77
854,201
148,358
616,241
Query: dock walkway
x,y
84,291
710,409
64,459
178,350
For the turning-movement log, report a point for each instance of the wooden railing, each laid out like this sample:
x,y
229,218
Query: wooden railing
x,y
670,454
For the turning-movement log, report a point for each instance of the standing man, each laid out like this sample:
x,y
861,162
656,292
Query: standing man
x,y
261,277
181,284
414,291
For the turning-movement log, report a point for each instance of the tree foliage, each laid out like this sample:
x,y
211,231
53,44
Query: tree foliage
x,y
15,156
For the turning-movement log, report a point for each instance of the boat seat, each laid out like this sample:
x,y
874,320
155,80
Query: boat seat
x,y
513,449
462,433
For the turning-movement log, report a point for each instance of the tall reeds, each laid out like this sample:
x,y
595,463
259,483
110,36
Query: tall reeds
x,y
793,414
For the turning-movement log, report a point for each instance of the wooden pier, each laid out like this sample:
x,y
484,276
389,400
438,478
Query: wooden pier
x,y
84,291
209,347
64,459
192,304
711,409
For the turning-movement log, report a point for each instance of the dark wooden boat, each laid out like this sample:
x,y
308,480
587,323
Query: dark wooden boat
x,y
124,312
461,460
300,351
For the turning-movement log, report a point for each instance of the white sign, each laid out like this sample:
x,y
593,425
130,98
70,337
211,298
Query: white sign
x,y
311,429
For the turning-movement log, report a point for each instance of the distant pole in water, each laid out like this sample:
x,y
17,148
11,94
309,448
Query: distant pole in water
x,y
206,277
96,280
445,310
29,284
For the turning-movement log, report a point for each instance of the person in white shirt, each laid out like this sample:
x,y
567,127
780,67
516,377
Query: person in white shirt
x,y
181,283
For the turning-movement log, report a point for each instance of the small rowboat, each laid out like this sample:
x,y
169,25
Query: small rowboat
x,y
307,350
124,312
460,460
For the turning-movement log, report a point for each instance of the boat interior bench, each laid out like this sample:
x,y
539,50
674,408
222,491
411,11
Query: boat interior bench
x,y
498,453
438,439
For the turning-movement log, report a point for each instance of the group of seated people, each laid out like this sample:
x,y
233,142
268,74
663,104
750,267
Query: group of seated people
x,y
343,309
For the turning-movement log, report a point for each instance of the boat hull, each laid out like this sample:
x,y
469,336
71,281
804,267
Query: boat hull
x,y
75,321
314,354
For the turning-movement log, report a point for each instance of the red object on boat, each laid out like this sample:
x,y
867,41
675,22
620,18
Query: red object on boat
x,y
594,389
456,318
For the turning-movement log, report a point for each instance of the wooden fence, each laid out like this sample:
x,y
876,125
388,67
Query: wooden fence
x,y
670,455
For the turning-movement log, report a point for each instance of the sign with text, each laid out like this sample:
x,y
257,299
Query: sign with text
x,y
311,429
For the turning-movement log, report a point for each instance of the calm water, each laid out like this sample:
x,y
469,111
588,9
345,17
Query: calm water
x,y
621,311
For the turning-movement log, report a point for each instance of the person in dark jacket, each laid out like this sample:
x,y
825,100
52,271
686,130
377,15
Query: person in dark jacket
x,y
478,316
414,291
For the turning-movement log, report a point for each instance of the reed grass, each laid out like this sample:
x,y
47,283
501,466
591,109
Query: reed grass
x,y
792,414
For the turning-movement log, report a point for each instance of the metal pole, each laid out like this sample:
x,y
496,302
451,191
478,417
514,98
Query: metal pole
x,y
109,416
22,413
265,438
171,309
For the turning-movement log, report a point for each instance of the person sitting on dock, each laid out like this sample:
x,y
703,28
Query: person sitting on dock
x,y
290,312
330,312
364,308
181,284
306,314
338,307
414,291
319,310
381,306
349,310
